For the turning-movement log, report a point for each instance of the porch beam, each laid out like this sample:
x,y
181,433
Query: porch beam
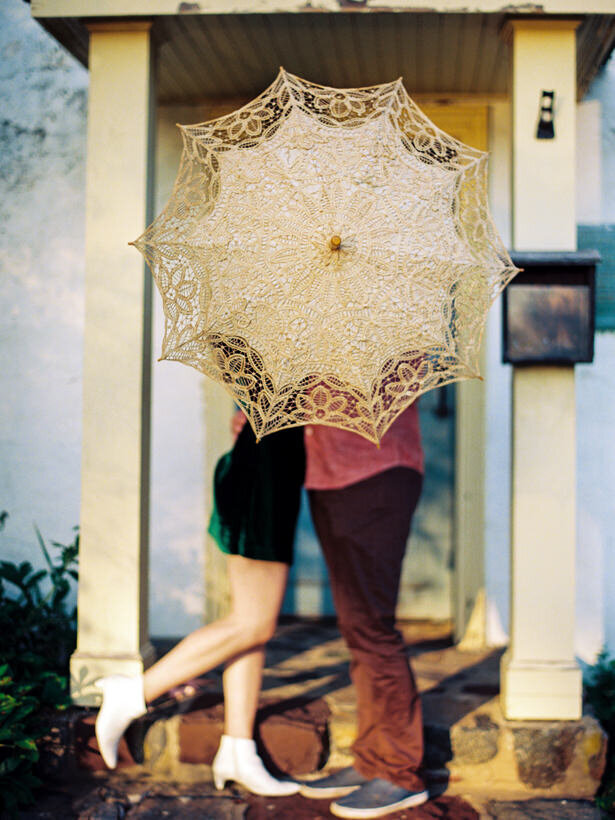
x,y
113,589
540,679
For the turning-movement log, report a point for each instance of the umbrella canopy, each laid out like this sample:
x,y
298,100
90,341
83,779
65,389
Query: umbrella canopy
x,y
327,255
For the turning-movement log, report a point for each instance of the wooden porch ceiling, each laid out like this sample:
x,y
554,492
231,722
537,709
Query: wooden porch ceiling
x,y
238,55
449,52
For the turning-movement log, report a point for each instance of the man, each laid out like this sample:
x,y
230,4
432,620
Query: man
x,y
362,499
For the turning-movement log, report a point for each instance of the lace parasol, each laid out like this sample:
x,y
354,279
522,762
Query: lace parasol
x,y
327,255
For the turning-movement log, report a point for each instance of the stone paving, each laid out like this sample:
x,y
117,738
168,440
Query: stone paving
x,y
478,766
113,798
127,795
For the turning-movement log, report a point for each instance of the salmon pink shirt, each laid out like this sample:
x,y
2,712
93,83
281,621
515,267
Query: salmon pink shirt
x,y
336,458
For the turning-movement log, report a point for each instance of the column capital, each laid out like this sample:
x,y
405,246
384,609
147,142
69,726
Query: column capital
x,y
548,24
120,25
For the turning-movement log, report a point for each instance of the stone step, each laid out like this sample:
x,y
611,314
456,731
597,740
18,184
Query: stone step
x,y
307,721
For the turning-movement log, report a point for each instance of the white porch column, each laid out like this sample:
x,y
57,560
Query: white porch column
x,y
112,598
539,676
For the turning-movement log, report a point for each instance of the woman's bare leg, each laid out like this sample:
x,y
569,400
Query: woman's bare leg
x,y
242,683
237,758
257,590
243,674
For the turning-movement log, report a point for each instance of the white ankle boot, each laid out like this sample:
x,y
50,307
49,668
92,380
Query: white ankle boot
x,y
122,702
238,760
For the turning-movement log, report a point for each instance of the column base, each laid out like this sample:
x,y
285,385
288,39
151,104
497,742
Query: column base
x,y
540,691
86,668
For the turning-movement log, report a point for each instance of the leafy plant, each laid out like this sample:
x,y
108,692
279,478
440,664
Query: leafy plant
x,y
37,636
600,693
19,732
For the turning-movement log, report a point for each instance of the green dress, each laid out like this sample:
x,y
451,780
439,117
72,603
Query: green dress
x,y
257,492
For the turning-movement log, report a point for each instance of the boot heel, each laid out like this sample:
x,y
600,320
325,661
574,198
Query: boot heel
x,y
238,761
219,781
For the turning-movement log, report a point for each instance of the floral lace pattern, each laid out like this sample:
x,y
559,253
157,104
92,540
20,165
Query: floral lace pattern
x,y
327,255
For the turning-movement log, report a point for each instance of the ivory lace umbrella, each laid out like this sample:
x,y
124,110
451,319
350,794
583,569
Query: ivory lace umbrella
x,y
327,255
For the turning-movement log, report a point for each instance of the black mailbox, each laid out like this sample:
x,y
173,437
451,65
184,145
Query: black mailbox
x,y
549,308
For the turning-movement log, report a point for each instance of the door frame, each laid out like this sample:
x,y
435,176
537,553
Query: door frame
x,y
468,122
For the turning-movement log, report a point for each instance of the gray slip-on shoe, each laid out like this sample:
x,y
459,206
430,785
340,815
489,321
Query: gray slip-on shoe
x,y
337,784
376,799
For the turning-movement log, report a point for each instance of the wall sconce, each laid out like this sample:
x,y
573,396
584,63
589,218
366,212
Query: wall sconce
x,y
545,130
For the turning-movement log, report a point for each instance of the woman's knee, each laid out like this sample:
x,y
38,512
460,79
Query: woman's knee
x,y
254,631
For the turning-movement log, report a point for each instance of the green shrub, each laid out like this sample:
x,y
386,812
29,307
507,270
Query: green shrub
x,y
19,731
600,693
37,637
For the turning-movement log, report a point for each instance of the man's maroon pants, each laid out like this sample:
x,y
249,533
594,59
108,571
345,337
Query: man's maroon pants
x,y
363,531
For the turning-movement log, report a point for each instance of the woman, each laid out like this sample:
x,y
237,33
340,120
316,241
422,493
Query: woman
x,y
257,493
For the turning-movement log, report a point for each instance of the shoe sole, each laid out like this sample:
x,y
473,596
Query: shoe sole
x,y
315,793
220,784
365,814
